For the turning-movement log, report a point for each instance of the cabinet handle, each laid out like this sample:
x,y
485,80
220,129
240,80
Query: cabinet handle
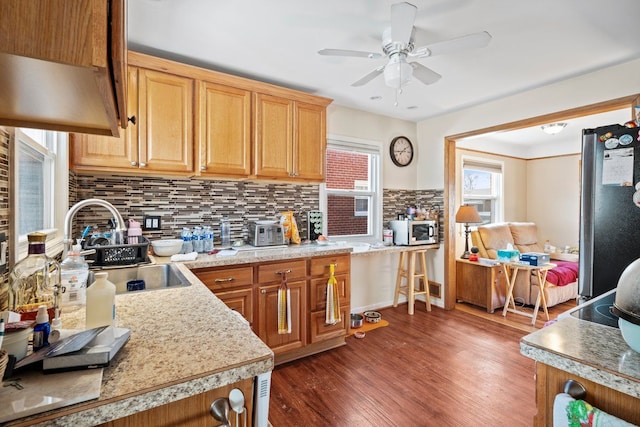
x,y
228,279
134,163
132,119
285,271
334,265
143,165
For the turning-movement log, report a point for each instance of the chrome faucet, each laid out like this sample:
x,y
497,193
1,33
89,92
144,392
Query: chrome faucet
x,y
68,219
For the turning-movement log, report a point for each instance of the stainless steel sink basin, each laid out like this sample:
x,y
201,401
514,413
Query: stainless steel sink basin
x,y
161,276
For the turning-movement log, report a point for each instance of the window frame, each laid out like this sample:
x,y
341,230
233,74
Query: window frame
x,y
57,150
497,197
345,143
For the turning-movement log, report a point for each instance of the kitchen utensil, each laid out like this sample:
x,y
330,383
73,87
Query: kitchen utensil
x,y
356,320
167,247
219,410
236,400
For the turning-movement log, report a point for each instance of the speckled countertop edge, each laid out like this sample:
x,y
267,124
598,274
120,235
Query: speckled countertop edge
x,y
592,351
211,347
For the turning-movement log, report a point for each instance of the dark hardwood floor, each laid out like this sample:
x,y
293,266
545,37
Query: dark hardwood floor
x,y
444,368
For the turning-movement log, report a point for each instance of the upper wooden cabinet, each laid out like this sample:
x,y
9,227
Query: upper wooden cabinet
x,y
224,130
159,141
63,65
290,139
236,128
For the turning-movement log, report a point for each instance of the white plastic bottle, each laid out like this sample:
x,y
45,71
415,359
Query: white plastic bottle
x,y
101,302
74,272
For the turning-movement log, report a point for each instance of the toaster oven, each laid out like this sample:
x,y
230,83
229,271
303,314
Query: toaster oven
x,y
409,232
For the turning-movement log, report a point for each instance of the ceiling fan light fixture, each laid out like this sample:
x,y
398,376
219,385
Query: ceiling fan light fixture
x,y
553,128
398,72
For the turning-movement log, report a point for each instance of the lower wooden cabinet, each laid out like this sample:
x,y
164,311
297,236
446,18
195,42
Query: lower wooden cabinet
x,y
481,285
252,290
190,412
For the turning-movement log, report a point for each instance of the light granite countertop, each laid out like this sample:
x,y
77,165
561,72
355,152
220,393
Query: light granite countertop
x,y
184,341
592,351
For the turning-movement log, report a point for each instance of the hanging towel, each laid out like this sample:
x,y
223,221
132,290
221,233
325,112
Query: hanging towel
x,y
284,306
570,412
333,299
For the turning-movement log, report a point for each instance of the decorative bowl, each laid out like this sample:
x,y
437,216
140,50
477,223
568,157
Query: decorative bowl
x,y
167,247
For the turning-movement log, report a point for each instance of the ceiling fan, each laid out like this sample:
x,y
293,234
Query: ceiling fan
x,y
398,45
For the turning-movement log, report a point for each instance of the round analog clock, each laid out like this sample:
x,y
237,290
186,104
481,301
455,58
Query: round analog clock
x,y
401,151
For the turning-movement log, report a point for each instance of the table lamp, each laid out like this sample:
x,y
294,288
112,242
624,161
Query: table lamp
x,y
466,215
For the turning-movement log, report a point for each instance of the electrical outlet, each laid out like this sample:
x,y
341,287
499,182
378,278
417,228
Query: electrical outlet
x,y
151,222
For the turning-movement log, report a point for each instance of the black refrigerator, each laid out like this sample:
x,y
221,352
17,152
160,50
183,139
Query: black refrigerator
x,y
609,207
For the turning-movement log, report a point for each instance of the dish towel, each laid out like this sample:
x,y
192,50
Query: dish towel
x,y
191,256
284,306
333,299
569,412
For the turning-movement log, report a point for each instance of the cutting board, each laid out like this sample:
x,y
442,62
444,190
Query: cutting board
x,y
42,392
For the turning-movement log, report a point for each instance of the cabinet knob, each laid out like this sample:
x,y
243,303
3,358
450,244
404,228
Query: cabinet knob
x,y
228,279
134,163
203,168
143,165
264,291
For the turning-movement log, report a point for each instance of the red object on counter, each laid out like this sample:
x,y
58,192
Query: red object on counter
x,y
473,257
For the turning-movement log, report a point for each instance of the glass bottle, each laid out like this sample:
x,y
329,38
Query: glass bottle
x,y
225,232
34,280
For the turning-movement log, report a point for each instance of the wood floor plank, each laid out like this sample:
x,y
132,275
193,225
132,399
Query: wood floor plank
x,y
444,368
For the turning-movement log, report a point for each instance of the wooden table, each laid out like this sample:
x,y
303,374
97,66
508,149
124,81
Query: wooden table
x,y
511,269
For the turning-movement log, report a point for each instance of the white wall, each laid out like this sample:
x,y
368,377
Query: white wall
x,y
553,199
614,82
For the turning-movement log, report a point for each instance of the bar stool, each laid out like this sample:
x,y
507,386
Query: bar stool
x,y
410,275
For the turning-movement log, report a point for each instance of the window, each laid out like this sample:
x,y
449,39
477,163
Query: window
x,y
40,179
351,195
482,188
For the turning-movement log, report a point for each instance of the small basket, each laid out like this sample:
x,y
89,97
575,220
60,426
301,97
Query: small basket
x,y
107,255
4,360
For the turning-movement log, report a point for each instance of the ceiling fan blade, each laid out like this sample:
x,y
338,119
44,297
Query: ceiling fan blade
x,y
402,17
470,41
353,53
424,74
366,79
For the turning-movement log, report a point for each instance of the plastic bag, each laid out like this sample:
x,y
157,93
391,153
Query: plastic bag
x,y
290,226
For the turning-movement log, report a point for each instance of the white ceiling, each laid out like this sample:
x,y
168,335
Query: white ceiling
x,y
534,43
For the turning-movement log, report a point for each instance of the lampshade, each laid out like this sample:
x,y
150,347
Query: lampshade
x,y
467,214
553,128
397,72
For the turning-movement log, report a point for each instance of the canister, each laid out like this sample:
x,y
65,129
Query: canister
x,y
387,237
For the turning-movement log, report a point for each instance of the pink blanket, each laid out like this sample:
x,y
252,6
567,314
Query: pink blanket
x,y
566,272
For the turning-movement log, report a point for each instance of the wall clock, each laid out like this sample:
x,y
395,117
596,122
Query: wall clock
x,y
401,151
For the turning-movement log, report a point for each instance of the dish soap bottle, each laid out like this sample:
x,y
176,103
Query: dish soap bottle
x,y
101,302
34,280
42,329
74,272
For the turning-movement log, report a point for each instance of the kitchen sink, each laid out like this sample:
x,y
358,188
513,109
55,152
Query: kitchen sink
x,y
159,276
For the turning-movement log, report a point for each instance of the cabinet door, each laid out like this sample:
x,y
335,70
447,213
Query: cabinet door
x,y
268,317
166,122
320,331
190,412
273,137
240,300
224,130
310,142
97,152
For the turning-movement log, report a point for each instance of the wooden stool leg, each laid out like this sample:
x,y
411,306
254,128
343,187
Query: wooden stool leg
x,y
399,279
411,281
427,295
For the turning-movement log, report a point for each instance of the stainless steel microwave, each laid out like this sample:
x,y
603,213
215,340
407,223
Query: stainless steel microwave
x,y
409,232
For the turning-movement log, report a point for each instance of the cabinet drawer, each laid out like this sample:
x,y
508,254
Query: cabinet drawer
x,y
319,331
318,292
268,273
225,278
320,266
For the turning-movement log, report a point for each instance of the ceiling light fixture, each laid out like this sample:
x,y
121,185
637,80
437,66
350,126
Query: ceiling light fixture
x,y
553,128
398,72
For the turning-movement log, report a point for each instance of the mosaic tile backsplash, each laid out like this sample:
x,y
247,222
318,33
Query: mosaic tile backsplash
x,y
184,202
